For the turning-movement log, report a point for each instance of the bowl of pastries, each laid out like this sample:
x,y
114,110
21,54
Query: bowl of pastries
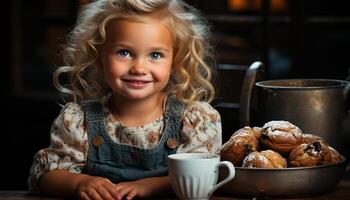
x,y
279,160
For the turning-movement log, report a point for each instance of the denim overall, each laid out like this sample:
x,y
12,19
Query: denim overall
x,y
121,162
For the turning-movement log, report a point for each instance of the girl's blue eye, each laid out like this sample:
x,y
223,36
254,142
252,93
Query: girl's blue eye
x,y
124,53
155,55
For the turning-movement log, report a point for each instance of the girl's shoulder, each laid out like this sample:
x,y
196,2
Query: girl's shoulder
x,y
72,111
200,106
71,108
77,107
201,110
69,123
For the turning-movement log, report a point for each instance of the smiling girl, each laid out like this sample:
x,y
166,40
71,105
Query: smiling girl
x,y
140,91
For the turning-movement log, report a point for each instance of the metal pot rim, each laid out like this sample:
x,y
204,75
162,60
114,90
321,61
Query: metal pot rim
x,y
344,160
286,182
288,83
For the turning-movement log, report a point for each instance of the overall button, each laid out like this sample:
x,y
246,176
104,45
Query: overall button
x,y
97,141
172,143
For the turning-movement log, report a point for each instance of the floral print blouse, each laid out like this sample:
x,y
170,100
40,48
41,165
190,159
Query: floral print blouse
x,y
201,132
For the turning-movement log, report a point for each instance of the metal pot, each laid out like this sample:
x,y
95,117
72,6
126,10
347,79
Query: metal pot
x,y
286,182
316,106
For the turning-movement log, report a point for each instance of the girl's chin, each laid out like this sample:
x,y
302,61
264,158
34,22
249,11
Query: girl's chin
x,y
136,96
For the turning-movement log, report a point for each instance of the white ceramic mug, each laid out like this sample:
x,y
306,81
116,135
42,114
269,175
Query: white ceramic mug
x,y
195,175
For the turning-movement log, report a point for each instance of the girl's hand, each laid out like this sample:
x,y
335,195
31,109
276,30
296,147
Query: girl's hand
x,y
143,188
139,188
96,188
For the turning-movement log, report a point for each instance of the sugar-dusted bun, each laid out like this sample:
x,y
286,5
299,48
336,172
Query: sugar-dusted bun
x,y
264,159
241,143
280,136
310,138
276,159
256,131
316,153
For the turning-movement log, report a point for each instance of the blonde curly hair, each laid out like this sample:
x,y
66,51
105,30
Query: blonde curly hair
x,y
191,77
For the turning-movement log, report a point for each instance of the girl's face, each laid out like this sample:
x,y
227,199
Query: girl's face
x,y
137,58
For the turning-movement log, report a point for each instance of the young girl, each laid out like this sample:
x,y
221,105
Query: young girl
x,y
140,90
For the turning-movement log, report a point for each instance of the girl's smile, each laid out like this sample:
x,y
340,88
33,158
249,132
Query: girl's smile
x,y
136,83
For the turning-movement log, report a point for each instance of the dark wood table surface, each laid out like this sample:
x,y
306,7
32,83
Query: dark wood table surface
x,y
341,192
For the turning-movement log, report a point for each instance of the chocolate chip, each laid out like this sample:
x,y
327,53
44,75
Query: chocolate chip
x,y
309,148
317,146
264,137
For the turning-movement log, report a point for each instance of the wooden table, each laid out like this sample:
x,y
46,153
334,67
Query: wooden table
x,y
341,192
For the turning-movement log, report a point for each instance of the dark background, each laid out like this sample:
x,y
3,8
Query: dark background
x,y
295,39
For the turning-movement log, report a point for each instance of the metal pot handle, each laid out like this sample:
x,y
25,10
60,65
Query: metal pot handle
x,y
347,91
347,168
347,95
246,92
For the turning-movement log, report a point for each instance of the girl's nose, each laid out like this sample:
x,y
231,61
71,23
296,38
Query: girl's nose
x,y
139,67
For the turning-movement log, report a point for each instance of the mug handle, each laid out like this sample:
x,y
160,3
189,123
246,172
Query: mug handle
x,y
231,174
252,75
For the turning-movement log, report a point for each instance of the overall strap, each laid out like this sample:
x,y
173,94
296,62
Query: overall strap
x,y
173,115
93,110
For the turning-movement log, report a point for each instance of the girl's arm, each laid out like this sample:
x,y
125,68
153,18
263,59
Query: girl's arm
x,y
68,146
201,131
62,183
147,187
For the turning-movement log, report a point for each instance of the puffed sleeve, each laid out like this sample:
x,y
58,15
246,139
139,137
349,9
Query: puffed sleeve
x,y
201,131
68,148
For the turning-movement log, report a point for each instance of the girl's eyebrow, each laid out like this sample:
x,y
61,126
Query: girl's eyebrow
x,y
129,46
122,44
160,49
